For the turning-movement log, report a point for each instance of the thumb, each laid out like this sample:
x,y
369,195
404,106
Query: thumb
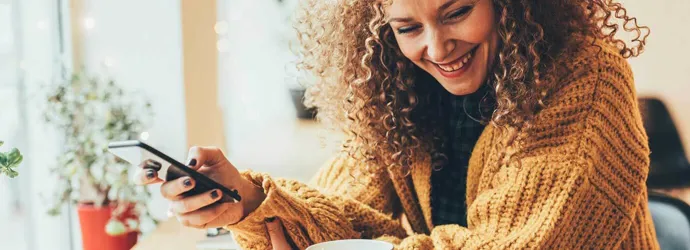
x,y
276,232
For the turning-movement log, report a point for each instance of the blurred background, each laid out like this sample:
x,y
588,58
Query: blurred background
x,y
218,73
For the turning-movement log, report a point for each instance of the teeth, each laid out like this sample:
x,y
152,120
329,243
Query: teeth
x,y
450,68
456,66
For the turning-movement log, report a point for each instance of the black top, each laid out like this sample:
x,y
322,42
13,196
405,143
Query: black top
x,y
465,124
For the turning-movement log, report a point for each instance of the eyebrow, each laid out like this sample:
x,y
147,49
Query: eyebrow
x,y
409,19
447,4
400,19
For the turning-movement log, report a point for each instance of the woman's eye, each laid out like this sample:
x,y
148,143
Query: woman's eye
x,y
407,29
459,12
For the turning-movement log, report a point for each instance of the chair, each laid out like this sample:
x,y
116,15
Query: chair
x,y
671,218
669,166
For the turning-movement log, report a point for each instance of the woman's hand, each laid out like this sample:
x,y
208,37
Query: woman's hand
x,y
204,210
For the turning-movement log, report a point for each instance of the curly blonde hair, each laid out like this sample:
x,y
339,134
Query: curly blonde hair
x,y
361,82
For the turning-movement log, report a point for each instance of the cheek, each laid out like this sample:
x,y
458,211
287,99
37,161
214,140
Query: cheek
x,y
410,49
479,27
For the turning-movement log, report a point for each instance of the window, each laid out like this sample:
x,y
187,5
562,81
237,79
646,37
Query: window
x,y
29,49
12,209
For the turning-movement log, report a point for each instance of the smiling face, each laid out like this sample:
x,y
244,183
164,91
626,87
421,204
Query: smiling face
x,y
455,41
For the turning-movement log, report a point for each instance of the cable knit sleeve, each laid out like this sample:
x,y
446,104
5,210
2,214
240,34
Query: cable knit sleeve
x,y
336,206
578,178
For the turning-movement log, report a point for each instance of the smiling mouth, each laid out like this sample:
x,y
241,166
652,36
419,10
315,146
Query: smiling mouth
x,y
458,64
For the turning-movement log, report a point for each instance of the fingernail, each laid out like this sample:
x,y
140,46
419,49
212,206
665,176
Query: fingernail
x,y
153,164
214,194
192,163
150,173
270,219
187,182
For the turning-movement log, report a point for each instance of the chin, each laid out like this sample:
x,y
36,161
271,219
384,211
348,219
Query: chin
x,y
460,89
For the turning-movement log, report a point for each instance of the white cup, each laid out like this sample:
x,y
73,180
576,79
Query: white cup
x,y
352,245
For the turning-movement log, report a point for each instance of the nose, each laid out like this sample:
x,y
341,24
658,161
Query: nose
x,y
438,46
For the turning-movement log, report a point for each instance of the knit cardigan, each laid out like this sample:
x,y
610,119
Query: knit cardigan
x,y
575,179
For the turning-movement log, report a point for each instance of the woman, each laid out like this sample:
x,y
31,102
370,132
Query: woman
x,y
538,93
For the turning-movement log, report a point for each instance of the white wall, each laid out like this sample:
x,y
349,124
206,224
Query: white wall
x,y
261,127
138,43
663,69
253,85
141,41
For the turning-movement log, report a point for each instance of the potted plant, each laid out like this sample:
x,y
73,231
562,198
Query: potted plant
x,y
89,112
9,161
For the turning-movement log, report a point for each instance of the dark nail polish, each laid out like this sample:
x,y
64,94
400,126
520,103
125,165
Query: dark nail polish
x,y
153,164
270,219
187,182
192,163
214,194
150,173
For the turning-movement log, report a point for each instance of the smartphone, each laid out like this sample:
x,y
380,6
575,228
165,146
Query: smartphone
x,y
136,152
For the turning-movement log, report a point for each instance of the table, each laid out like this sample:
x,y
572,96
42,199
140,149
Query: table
x,y
171,235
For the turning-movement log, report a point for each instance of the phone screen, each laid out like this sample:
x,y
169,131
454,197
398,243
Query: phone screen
x,y
135,155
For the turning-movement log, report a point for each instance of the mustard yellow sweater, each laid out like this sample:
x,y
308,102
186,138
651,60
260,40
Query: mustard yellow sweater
x,y
579,183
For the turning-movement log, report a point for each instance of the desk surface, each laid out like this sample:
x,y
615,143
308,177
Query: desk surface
x,y
171,235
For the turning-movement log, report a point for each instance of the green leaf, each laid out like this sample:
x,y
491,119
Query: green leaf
x,y
11,173
3,160
1,143
54,211
10,160
16,161
14,157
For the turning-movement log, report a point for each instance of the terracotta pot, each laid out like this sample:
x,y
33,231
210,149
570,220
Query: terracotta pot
x,y
93,220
